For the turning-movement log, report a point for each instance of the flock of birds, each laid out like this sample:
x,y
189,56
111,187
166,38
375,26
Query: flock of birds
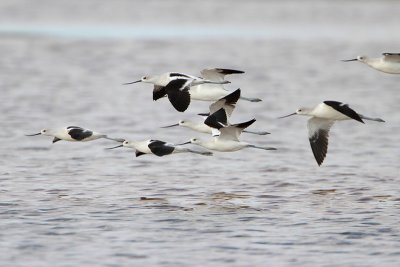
x,y
181,88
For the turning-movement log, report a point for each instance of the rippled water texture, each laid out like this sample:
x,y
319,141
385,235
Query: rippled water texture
x,y
76,204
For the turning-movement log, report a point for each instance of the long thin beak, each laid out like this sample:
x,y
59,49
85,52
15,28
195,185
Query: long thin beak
x,y
32,134
173,125
132,82
114,147
287,115
184,143
348,60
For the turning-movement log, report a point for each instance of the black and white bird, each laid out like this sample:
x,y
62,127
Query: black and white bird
x,y
176,86
216,91
228,138
388,63
324,116
158,148
227,102
72,133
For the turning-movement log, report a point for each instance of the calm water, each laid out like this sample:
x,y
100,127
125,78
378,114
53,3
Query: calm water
x,y
76,204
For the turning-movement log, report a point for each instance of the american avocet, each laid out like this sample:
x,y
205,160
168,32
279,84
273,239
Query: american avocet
x,y
228,139
158,148
323,117
214,92
73,133
176,86
389,63
227,103
162,80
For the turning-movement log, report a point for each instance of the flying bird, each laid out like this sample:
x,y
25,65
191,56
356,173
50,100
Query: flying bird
x,y
72,133
228,139
388,63
158,148
324,116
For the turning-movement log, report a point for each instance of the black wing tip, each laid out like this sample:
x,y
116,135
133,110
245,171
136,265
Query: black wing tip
x,y
229,71
246,124
344,109
233,97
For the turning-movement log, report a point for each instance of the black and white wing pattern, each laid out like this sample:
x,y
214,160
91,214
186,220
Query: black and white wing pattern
x,y
344,109
178,93
318,134
392,57
218,74
217,120
159,92
78,133
160,148
228,103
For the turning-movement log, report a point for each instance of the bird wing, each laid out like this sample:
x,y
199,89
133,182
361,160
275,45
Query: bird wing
x,y
159,92
232,132
392,57
160,148
318,134
344,109
227,102
218,74
178,93
217,120
78,133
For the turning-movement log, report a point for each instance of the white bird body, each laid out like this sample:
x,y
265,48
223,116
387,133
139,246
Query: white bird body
x,y
228,138
72,134
324,116
158,148
324,111
196,126
220,144
388,63
142,146
207,92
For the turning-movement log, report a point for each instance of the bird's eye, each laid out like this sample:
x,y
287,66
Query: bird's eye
x,y
44,131
194,139
144,78
299,110
182,121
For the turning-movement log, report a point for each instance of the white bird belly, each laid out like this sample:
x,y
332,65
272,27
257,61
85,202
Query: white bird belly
x,y
224,146
207,92
324,111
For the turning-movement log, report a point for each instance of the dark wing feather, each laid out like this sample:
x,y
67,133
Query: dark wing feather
x,y
159,92
217,120
139,153
180,100
344,109
178,93
160,148
229,71
244,125
56,139
318,134
79,133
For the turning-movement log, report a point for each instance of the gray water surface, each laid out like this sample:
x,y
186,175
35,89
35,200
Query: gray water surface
x,y
76,204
